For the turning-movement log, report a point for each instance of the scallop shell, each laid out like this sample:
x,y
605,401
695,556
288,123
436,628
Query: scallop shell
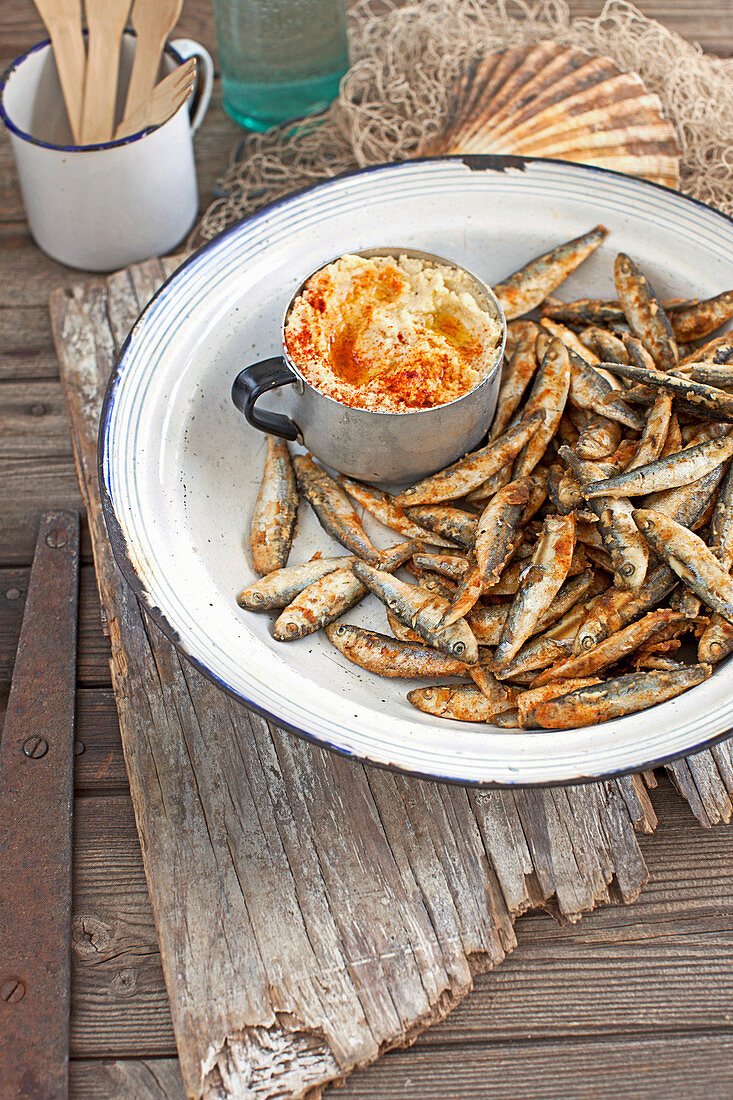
x,y
553,101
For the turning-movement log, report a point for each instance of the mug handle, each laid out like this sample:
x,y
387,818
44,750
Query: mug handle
x,y
251,383
198,107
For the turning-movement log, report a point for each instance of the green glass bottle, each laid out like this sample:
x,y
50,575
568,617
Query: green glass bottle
x,y
280,59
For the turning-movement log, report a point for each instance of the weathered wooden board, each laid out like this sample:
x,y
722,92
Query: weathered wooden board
x,y
611,973
622,1068
32,420
311,912
23,496
26,344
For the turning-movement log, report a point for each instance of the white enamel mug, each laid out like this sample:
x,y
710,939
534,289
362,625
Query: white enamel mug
x,y
101,207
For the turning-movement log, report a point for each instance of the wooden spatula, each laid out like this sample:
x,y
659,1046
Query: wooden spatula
x,y
164,101
153,21
63,23
105,23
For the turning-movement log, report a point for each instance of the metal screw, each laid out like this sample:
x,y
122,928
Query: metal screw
x,y
38,409
57,538
79,747
12,990
35,747
12,593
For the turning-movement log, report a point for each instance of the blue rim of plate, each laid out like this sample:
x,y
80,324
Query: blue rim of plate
x,y
475,162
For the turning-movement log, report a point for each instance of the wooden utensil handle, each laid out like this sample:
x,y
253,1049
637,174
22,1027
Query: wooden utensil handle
x,y
100,91
144,72
68,49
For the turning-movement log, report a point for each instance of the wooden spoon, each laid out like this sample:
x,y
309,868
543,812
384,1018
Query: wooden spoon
x,y
105,22
63,23
164,101
153,21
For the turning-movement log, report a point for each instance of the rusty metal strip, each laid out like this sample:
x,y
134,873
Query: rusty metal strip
x,y
36,792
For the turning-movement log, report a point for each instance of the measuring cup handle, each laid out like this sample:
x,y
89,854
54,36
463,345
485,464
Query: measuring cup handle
x,y
186,47
251,383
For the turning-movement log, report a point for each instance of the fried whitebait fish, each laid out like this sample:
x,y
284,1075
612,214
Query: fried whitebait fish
x,y
275,511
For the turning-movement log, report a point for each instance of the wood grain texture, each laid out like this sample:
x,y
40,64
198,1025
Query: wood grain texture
x,y
699,1066
707,22
357,903
33,421
26,488
142,1079
26,343
666,950
613,973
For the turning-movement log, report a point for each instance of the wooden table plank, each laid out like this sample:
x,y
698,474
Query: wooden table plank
x,y
26,345
630,1068
678,929
141,1079
700,1068
27,488
117,980
610,974
708,22
33,421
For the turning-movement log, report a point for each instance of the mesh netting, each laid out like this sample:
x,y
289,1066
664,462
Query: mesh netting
x,y
405,60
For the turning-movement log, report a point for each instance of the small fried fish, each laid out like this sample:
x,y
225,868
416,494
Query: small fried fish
x,y
644,312
655,431
614,698
333,508
520,367
382,507
698,320
617,607
456,525
332,596
547,570
279,588
683,468
469,472
527,287
688,556
383,655
546,399
699,397
461,702
611,649
275,511
494,544
421,611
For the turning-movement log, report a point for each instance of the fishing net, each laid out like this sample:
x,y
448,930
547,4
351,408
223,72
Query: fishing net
x,y
404,63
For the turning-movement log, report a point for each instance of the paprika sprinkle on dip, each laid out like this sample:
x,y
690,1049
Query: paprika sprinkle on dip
x,y
391,334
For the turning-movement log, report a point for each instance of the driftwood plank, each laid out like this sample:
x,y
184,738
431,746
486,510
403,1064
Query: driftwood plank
x,y
682,777
311,912
565,981
633,790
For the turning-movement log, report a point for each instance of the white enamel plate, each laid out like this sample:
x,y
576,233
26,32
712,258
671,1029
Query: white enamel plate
x,y
180,468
